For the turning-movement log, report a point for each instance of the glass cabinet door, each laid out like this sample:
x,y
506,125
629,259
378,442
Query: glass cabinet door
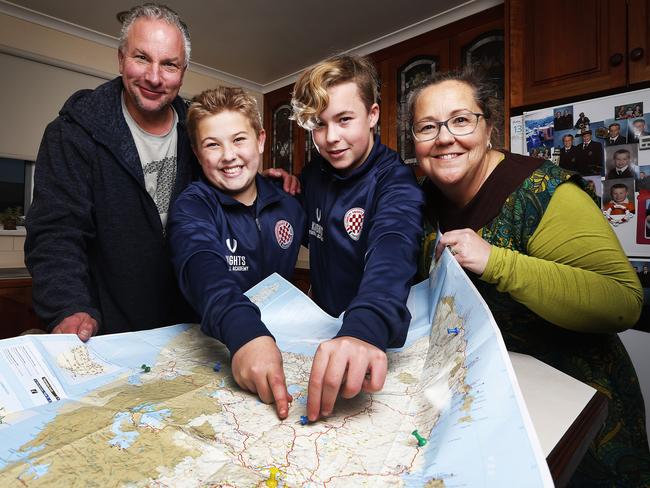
x,y
413,74
486,52
282,139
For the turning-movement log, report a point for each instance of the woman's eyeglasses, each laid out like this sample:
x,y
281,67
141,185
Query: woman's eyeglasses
x,y
458,125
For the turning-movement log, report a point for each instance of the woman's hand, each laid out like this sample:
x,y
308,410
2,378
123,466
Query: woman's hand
x,y
470,250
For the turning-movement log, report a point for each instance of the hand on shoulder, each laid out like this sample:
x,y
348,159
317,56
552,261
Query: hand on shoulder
x,y
290,183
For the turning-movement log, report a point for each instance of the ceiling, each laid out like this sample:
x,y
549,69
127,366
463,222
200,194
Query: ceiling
x,y
262,44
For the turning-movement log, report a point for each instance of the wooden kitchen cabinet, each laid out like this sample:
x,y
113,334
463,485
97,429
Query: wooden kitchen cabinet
x,y
16,312
560,49
639,40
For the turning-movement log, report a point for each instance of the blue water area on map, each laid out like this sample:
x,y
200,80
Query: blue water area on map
x,y
155,420
135,379
295,389
37,470
150,417
123,439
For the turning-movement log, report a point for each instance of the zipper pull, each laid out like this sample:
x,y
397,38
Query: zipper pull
x,y
257,221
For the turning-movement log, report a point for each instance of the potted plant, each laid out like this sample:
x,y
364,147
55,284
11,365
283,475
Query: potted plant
x,y
10,217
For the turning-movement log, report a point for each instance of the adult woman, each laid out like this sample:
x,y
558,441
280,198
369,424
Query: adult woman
x,y
541,254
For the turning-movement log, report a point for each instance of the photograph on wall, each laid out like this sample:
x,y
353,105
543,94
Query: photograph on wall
x,y
638,127
622,161
539,134
595,184
628,110
616,133
643,183
582,123
618,201
599,131
563,118
643,225
565,150
589,155
602,126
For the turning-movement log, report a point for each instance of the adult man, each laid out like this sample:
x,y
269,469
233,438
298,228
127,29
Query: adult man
x,y
569,154
590,155
622,167
107,169
614,137
638,130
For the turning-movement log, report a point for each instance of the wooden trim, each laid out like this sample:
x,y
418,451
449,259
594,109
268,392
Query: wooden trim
x,y
15,282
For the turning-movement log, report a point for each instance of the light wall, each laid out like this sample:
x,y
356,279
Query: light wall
x,y
41,67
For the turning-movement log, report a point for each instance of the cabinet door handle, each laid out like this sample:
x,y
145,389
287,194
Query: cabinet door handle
x,y
615,59
636,54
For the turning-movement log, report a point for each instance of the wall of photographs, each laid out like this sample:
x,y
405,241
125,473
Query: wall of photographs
x,y
606,140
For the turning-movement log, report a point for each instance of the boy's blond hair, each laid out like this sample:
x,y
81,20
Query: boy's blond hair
x,y
310,97
217,100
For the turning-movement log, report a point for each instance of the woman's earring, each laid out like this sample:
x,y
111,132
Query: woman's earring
x,y
489,145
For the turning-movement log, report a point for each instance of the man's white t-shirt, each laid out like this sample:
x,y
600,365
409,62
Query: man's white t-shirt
x,y
158,158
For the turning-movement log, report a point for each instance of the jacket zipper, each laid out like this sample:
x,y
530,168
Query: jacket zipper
x,y
261,246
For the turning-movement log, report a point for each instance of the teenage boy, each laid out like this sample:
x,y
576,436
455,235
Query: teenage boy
x,y
231,230
364,212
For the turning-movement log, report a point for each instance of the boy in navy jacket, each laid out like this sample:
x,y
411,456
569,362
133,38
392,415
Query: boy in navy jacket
x,y
364,214
231,230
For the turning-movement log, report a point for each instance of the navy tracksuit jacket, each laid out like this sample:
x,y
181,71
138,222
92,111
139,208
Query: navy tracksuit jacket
x,y
220,248
363,231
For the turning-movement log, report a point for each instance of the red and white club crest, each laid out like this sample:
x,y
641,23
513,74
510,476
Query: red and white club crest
x,y
353,222
283,233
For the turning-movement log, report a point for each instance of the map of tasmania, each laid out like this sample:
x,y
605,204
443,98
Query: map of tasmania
x,y
186,422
